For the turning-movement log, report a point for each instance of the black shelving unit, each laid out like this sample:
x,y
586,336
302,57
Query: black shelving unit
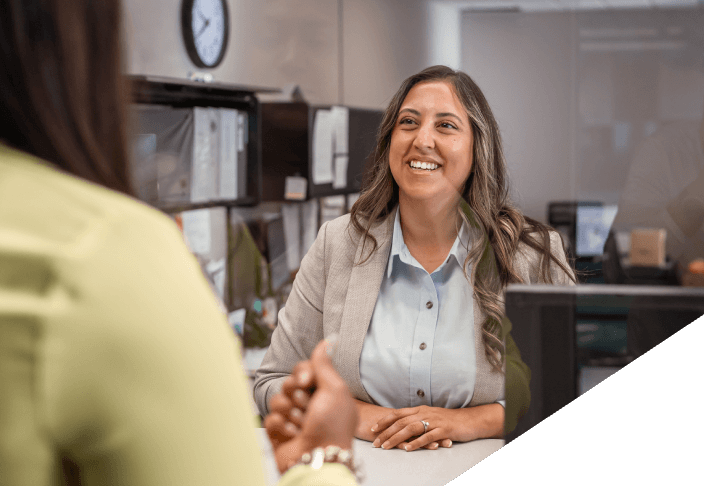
x,y
183,93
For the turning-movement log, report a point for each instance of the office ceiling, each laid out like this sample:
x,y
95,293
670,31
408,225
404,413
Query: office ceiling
x,y
565,5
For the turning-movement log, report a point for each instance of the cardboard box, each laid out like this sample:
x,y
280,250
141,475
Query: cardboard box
x,y
693,279
648,247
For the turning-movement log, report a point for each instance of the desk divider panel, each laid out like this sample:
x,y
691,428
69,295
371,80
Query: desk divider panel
x,y
543,328
544,320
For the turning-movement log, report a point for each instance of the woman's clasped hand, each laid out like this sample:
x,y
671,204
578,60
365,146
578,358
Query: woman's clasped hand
x,y
433,427
313,409
403,424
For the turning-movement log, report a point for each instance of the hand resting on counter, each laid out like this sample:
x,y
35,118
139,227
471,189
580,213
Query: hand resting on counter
x,y
444,425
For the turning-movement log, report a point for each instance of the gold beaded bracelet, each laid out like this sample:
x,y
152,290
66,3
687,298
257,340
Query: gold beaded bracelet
x,y
333,454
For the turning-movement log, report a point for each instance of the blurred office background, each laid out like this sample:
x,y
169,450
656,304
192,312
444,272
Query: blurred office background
x,y
577,87
575,84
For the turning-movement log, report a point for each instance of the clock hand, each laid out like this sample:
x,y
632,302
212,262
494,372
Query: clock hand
x,y
205,26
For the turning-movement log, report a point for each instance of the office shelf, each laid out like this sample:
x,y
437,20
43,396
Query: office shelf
x,y
183,93
287,147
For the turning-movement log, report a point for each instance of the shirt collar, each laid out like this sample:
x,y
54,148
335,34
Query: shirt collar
x,y
459,250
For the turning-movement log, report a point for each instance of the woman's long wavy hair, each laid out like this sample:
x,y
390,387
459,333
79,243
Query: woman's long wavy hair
x,y
502,225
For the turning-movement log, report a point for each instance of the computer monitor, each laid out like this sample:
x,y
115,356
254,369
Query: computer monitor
x,y
544,320
592,228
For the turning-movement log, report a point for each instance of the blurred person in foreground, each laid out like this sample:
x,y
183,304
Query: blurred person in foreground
x,y
413,279
116,364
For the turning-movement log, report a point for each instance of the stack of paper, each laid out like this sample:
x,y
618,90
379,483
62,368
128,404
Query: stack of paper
x,y
219,154
331,146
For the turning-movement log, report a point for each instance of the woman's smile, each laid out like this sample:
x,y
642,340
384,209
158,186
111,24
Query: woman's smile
x,y
423,166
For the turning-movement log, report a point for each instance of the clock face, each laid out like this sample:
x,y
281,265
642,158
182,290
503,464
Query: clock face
x,y
205,29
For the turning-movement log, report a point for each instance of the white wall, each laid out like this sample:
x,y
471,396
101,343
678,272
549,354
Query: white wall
x,y
445,31
575,93
384,42
630,85
524,65
278,42
272,43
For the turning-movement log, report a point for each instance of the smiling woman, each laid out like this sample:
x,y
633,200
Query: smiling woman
x,y
430,158
413,278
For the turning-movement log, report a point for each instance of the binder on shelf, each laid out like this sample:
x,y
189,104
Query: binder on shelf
x,y
229,155
242,144
205,160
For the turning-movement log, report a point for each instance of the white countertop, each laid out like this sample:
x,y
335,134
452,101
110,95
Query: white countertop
x,y
388,468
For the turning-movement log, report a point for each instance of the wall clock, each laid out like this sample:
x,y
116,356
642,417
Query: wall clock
x,y
205,25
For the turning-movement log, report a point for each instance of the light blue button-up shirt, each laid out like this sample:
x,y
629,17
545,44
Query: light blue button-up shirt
x,y
419,349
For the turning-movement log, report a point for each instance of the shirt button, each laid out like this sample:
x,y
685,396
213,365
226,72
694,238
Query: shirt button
x,y
422,346
420,393
429,305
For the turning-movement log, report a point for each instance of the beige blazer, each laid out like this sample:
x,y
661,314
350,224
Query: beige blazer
x,y
333,295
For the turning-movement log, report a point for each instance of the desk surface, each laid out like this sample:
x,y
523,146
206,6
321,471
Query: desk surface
x,y
389,468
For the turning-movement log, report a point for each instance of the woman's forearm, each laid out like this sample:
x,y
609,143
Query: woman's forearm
x,y
481,422
461,425
369,415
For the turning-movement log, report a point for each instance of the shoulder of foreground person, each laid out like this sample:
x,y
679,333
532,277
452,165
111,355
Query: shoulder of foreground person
x,y
47,205
133,343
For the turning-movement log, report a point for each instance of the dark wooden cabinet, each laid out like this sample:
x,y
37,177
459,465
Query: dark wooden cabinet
x,y
287,146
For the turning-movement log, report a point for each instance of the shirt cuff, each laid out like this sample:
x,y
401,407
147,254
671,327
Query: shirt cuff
x,y
502,402
330,474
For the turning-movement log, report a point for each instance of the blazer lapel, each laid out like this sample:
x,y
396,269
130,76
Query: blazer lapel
x,y
364,284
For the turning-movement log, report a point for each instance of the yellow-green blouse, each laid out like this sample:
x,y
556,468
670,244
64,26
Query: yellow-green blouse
x,y
114,355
